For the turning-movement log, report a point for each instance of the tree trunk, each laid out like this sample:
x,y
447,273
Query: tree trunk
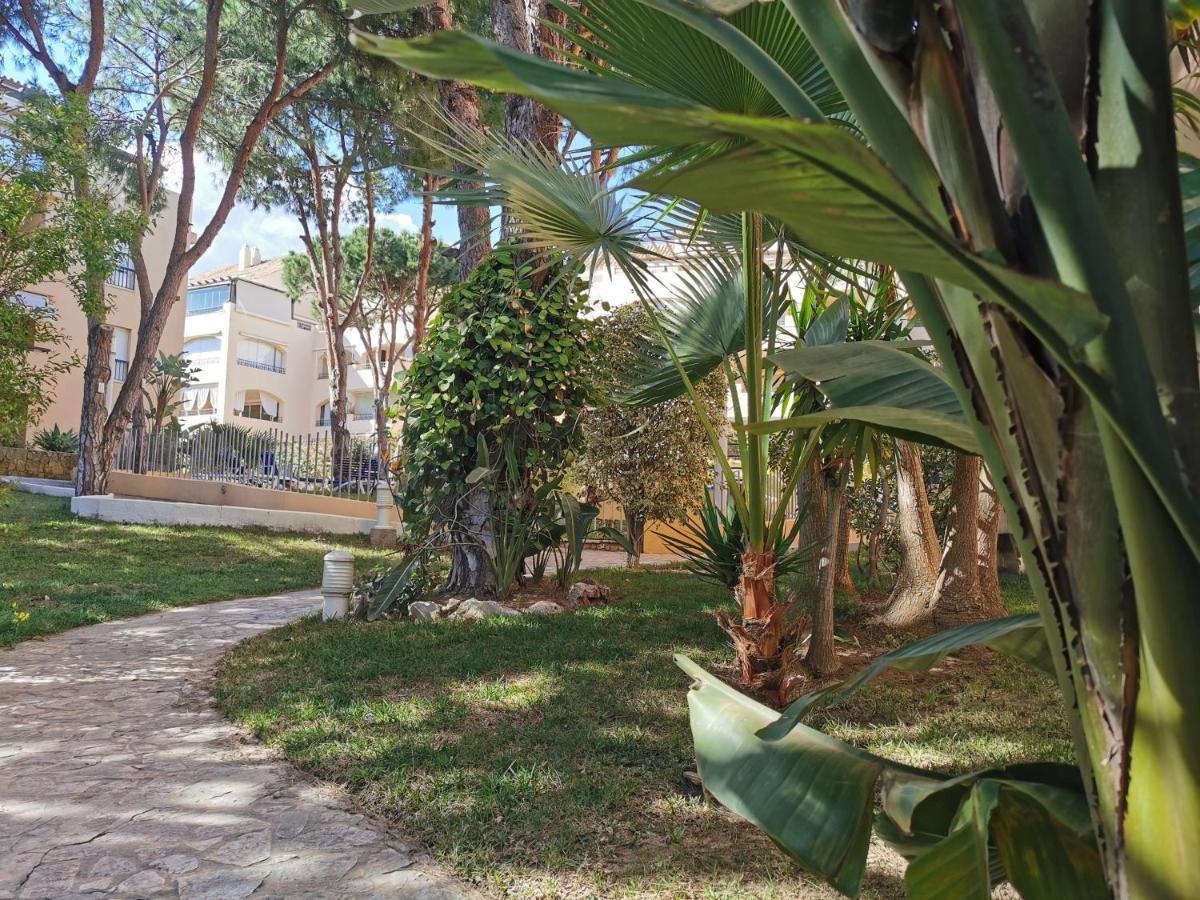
x,y
876,538
635,526
470,534
91,474
814,506
956,599
510,25
991,597
911,600
140,423
547,123
844,583
461,102
339,434
421,306
821,657
382,441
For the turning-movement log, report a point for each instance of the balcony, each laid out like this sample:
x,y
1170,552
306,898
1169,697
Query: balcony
x,y
322,421
363,416
122,276
120,368
262,366
251,413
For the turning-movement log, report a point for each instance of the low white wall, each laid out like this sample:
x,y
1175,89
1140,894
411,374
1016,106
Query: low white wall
x,y
49,487
108,508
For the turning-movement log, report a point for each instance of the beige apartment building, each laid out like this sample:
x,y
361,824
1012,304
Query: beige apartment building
x,y
124,311
261,358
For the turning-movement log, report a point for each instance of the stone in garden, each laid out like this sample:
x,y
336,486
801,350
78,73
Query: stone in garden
x,y
451,605
544,608
483,609
424,609
588,593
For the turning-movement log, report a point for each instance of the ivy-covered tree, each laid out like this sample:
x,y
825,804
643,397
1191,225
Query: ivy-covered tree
x,y
504,365
654,461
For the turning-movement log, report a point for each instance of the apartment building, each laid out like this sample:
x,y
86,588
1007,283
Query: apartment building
x,y
124,311
262,359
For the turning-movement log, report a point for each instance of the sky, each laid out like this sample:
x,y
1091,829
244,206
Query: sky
x,y
273,230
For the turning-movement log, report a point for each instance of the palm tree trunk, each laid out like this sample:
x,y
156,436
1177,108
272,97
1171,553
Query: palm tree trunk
x,y
911,600
844,583
815,508
821,657
957,599
990,595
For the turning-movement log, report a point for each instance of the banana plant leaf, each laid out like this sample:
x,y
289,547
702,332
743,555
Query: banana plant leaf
x,y
815,796
1022,637
877,383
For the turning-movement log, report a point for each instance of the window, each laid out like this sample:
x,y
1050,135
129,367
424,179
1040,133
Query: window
x,y
364,408
123,275
257,405
261,355
121,345
323,366
31,300
201,346
323,414
202,300
198,400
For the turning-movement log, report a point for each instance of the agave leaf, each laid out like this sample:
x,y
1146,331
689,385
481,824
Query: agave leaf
x,y
1021,637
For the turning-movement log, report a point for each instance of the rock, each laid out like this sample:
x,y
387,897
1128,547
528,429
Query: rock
x,y
588,593
424,609
544,608
483,609
451,605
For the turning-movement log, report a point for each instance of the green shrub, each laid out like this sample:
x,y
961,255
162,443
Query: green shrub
x,y
57,440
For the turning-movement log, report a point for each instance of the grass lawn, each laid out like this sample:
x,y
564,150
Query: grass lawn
x,y
58,572
549,757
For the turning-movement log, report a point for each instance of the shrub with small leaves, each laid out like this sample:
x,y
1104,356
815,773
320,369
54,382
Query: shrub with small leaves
x,y
506,360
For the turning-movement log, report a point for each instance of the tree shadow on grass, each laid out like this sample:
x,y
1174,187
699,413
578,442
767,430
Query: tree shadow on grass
x,y
530,752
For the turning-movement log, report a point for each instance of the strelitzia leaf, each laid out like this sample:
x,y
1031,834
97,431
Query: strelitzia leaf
x,y
917,425
813,794
1021,637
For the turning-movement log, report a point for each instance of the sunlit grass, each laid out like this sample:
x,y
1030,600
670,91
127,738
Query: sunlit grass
x,y
548,757
59,572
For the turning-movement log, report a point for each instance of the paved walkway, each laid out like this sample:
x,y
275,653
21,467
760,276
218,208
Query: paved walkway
x,y
119,779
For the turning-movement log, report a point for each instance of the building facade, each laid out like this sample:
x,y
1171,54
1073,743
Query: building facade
x,y
124,312
261,358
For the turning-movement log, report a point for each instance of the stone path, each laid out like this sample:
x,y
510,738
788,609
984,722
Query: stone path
x,y
119,779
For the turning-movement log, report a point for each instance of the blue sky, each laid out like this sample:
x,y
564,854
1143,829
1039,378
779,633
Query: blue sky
x,y
274,231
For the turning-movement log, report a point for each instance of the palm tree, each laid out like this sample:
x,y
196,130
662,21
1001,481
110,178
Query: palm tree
x,y
1034,211
169,374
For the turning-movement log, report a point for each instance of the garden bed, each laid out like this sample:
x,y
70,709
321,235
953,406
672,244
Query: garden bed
x,y
551,757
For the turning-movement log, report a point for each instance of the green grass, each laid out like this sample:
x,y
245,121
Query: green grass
x,y
59,572
547,757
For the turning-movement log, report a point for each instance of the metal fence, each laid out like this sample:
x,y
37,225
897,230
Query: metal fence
x,y
259,458
775,487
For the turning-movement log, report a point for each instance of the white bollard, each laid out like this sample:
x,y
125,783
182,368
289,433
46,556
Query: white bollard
x,y
336,583
384,533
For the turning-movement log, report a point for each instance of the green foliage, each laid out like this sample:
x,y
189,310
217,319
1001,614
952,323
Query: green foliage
x,y
655,460
505,362
30,363
57,440
712,546
61,210
169,374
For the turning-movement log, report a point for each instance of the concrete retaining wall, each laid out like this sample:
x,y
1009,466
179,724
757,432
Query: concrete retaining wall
x,y
219,493
108,508
37,463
